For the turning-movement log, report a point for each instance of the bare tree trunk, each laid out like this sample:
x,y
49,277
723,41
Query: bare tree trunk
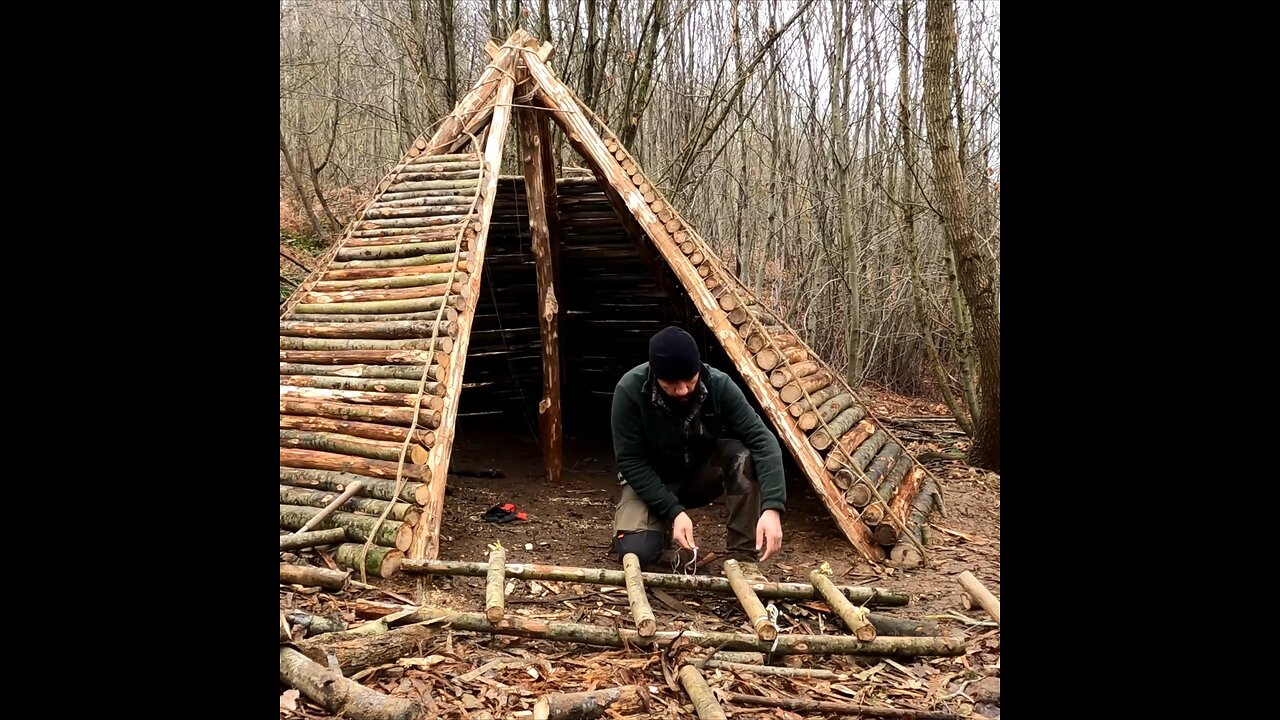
x,y
297,183
544,22
908,219
642,74
976,276
450,52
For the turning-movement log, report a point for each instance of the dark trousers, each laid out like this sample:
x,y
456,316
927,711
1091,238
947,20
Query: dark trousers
x,y
727,472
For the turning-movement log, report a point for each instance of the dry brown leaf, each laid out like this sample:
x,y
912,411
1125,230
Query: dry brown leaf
x,y
289,700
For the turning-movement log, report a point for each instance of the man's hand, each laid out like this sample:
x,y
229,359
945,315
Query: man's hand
x,y
682,531
768,533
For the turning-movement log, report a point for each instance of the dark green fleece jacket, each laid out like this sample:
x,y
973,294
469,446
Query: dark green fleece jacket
x,y
657,451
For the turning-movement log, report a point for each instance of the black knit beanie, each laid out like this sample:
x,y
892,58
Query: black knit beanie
x,y
673,355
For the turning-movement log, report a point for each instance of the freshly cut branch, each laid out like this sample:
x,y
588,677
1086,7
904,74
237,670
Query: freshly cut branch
x,y
646,624
339,695
667,581
704,701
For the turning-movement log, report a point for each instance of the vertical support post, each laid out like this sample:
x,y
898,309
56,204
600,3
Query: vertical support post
x,y
540,193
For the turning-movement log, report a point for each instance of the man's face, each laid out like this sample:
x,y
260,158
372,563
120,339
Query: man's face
x,y
679,389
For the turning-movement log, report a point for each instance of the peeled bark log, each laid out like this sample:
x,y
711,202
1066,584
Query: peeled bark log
x,y
312,539
788,347
427,417
379,561
905,553
347,445
393,272
379,307
839,455
357,653
899,507
750,603
370,329
810,384
372,431
495,592
399,372
338,481
854,617
316,460
828,410
388,283
310,576
455,157
462,186
390,533
705,704
696,583
624,700
835,708
400,511
442,344
641,613
338,695
362,397
981,594
824,438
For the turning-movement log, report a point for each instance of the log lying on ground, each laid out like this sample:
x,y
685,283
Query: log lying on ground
x,y
899,627
706,583
315,624
854,617
774,670
310,576
613,637
641,613
750,603
314,538
624,700
495,588
742,658
389,534
835,708
906,553
339,695
380,561
705,704
981,594
357,653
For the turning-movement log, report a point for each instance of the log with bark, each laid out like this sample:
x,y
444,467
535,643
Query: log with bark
x,y
372,329
854,617
782,671
427,417
379,561
906,553
310,576
326,509
367,650
313,625
840,456
495,588
623,700
798,408
390,533
338,481
899,507
827,411
316,460
443,344
834,708
809,384
979,592
750,603
371,431
339,695
823,438
787,644
705,704
873,513
641,613
381,385
400,511
871,596
349,445
861,494
742,658
315,538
